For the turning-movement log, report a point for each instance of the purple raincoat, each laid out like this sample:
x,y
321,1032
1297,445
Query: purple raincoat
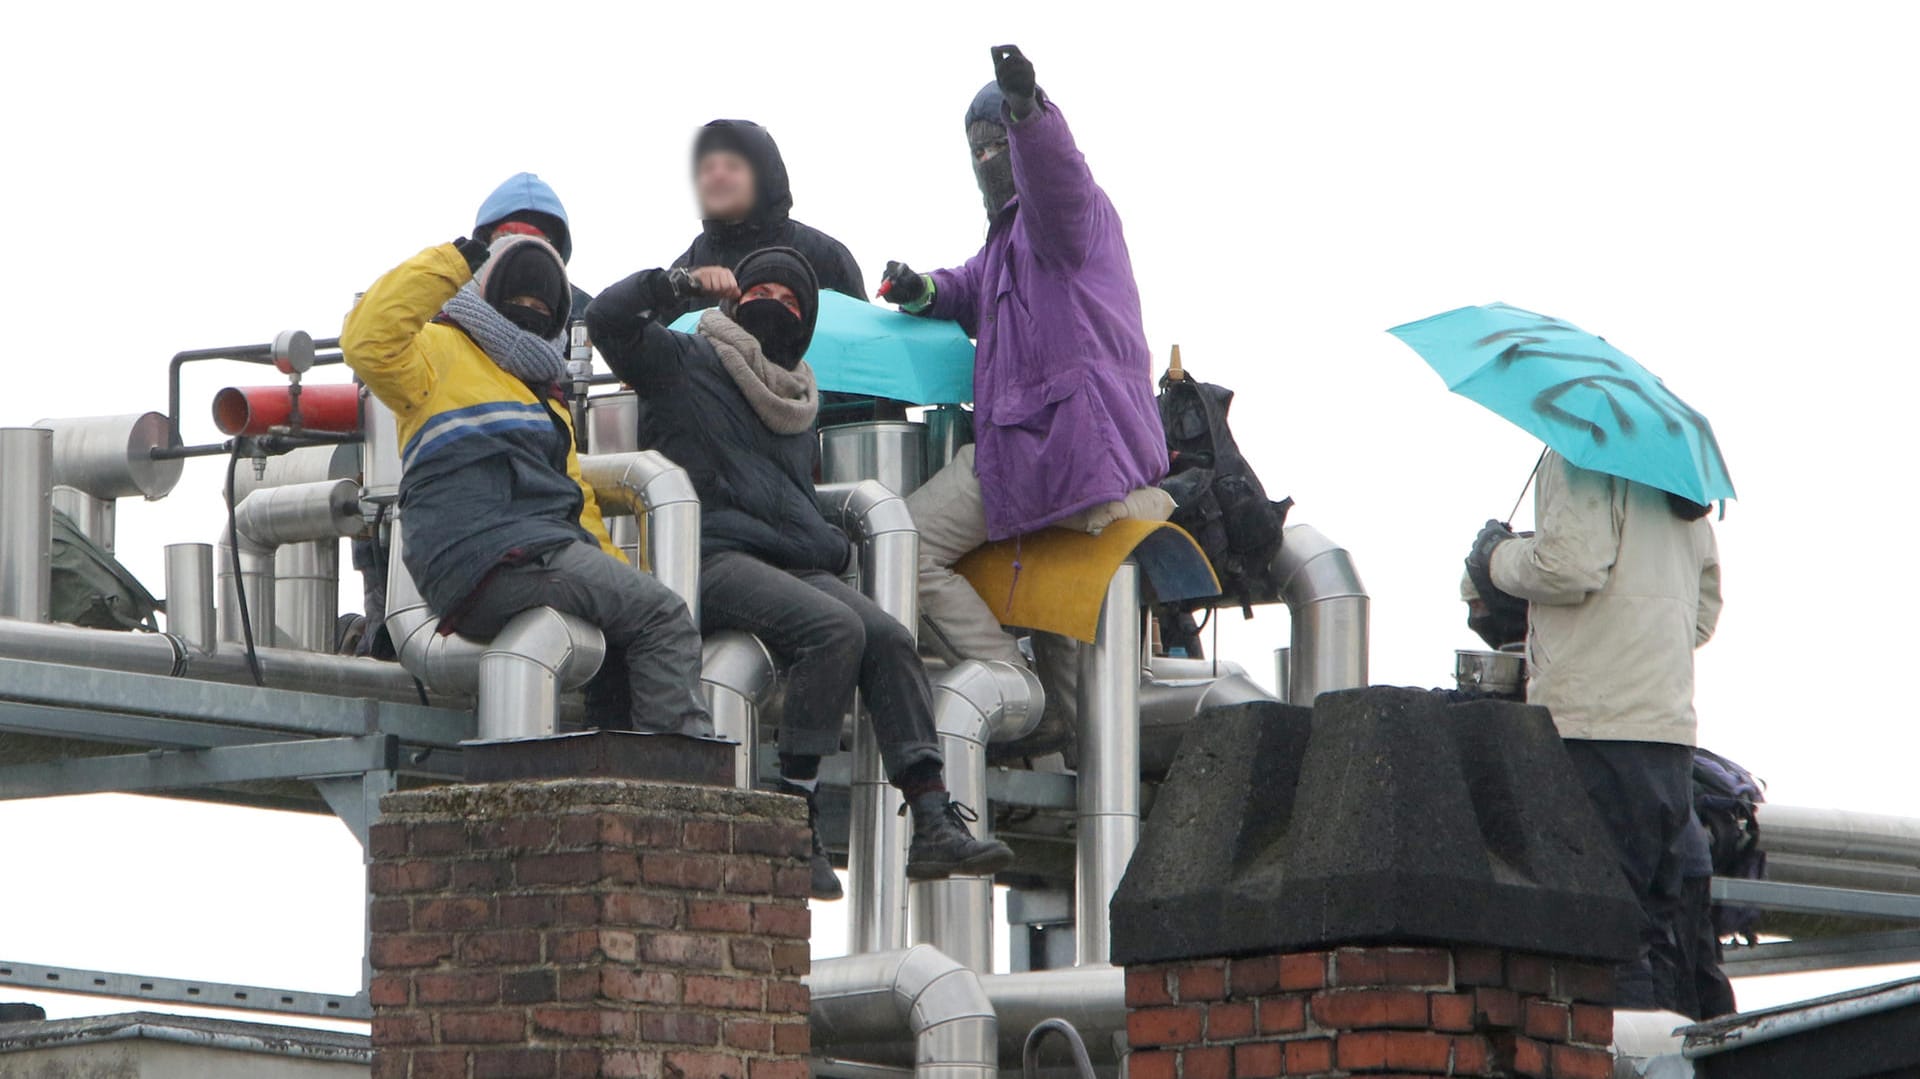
x,y
1062,383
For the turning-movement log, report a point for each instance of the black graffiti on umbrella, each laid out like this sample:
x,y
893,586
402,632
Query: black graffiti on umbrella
x,y
1672,411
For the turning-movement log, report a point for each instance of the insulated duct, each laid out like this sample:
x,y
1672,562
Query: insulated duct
x,y
1328,606
518,676
26,525
1108,787
736,672
189,582
974,703
265,521
1093,999
649,487
111,457
888,548
862,1004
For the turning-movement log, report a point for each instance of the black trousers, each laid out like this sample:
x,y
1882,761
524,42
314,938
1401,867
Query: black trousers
x,y
832,640
1644,794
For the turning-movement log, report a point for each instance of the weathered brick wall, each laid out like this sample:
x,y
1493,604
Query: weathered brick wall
x,y
1371,1011
587,928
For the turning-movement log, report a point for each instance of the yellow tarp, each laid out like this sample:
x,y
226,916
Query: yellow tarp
x,y
1063,574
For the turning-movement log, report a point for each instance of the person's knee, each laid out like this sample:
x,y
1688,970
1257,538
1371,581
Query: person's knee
x,y
842,635
886,635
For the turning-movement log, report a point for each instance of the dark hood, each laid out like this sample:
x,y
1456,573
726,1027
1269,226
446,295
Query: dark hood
x,y
772,192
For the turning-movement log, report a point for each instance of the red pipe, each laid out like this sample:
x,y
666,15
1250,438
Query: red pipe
x,y
252,410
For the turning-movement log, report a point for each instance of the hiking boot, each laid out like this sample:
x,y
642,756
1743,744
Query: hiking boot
x,y
825,883
942,845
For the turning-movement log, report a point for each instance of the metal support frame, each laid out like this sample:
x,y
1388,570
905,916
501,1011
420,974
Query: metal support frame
x,y
175,769
1816,899
1823,953
184,991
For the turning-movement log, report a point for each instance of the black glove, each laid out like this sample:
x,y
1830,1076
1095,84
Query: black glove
x,y
1480,562
900,285
1014,72
473,251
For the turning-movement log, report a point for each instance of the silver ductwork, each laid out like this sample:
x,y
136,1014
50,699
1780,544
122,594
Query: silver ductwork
x,y
889,567
379,452
649,487
111,457
308,464
892,452
1328,606
267,520
306,593
974,703
861,1004
26,525
1175,692
613,427
1108,787
94,517
518,677
1093,999
736,673
189,583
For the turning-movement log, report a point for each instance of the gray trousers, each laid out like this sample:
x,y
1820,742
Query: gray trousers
x,y
651,639
952,519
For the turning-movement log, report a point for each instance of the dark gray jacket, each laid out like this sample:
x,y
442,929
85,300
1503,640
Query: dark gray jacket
x,y
756,487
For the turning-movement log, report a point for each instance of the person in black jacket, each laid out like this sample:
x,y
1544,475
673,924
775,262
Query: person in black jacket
x,y
735,404
745,200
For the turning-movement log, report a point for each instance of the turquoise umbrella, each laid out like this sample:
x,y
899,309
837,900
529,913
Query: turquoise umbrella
x,y
1590,402
862,348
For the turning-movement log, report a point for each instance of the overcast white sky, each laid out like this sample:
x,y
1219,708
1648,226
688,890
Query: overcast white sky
x,y
1725,190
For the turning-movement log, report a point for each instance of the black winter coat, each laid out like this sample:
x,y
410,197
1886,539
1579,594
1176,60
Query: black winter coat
x,y
755,486
723,244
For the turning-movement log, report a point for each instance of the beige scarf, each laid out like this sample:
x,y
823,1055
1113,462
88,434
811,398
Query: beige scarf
x,y
786,401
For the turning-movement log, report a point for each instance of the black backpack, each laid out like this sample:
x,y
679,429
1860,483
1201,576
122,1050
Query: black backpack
x,y
1217,497
1727,799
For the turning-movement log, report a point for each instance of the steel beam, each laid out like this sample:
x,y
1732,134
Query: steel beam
x,y
1825,953
183,991
175,769
1816,899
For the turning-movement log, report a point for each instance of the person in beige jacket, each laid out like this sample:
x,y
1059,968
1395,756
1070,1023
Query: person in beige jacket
x,y
1623,583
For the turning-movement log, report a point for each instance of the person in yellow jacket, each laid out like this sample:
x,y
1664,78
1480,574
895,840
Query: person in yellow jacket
x,y
465,343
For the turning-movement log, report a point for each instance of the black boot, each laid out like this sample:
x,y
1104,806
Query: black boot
x,y
942,845
826,883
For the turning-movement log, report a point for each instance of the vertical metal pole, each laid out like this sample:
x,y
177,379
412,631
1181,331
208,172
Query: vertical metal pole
x,y
26,523
1109,777
189,582
306,603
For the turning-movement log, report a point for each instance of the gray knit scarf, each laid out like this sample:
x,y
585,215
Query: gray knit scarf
x,y
533,360
786,401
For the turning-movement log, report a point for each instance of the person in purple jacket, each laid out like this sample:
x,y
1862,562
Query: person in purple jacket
x,y
1067,432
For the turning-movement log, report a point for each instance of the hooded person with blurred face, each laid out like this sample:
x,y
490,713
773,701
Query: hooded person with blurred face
x,y
1067,431
735,404
464,342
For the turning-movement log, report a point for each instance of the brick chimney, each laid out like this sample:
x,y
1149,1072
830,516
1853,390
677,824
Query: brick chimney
x,y
572,929
1386,884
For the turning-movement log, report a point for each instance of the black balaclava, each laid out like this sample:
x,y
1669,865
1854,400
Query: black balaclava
x,y
987,126
783,337
527,266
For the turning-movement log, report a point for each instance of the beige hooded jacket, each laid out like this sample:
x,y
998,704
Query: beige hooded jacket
x,y
1622,592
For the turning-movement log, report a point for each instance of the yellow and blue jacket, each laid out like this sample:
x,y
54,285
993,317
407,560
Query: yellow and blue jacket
x,y
489,472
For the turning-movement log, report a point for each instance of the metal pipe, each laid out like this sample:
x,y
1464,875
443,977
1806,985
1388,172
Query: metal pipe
x,y
169,655
26,523
613,427
861,1004
94,517
736,674
380,452
892,452
1329,609
1093,999
189,580
111,457
888,548
256,410
1840,834
518,678
306,593
974,703
1108,787
1171,699
263,522
654,489
308,464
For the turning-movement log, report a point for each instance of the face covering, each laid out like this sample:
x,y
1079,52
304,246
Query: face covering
x,y
529,319
776,328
